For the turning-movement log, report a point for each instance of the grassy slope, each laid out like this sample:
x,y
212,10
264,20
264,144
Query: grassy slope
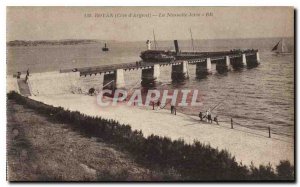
x,y
39,150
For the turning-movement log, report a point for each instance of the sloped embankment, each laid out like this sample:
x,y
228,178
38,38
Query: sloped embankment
x,y
40,150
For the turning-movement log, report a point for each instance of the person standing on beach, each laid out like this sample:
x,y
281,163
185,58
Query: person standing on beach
x,y
18,75
216,120
200,116
158,103
209,118
172,109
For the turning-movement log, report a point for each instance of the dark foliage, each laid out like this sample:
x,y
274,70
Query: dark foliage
x,y
285,171
190,162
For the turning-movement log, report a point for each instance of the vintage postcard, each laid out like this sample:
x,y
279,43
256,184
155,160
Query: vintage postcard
x,y
150,94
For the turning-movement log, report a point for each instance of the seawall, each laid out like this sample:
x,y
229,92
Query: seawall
x,y
12,84
48,83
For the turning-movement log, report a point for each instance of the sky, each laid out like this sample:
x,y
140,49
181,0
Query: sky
x,y
53,23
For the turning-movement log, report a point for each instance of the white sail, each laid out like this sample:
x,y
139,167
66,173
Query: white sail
x,y
284,48
280,47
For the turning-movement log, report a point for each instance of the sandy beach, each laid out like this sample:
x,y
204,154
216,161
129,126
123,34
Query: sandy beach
x,y
246,145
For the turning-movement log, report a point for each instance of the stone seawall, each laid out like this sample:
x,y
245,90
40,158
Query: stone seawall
x,y
50,83
12,84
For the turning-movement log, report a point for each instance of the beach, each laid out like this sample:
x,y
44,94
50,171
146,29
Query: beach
x,y
248,146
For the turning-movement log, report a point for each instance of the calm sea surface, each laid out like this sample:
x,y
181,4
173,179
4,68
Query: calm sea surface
x,y
262,96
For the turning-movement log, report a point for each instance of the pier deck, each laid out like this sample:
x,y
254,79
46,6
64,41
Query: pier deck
x,y
185,56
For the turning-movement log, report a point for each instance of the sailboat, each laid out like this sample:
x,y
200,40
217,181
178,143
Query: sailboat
x,y
280,48
192,40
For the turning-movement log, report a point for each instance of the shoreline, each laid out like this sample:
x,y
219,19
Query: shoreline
x,y
246,145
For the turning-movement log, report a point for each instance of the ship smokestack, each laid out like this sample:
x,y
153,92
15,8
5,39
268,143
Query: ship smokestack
x,y
148,42
176,46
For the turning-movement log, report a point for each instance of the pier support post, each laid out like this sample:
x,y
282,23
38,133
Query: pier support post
x,y
252,60
180,71
223,65
156,71
185,69
120,81
257,57
114,80
244,61
150,75
208,65
203,68
228,62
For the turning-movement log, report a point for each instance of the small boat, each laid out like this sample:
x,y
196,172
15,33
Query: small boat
x,y
105,48
280,48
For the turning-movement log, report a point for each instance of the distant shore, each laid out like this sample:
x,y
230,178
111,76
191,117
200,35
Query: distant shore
x,y
49,42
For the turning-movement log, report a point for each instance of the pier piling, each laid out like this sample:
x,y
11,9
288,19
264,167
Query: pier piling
x,y
244,59
208,65
180,71
120,81
252,60
150,75
257,57
228,62
223,65
116,78
204,68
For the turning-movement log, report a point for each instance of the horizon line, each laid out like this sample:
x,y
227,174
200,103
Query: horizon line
x,y
267,37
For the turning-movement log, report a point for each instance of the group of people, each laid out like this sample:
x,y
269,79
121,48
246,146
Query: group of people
x,y
26,77
208,117
157,103
138,63
173,108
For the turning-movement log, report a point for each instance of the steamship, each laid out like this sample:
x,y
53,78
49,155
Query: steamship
x,y
167,56
157,56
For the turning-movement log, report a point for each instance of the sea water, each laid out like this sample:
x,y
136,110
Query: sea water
x,y
257,97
